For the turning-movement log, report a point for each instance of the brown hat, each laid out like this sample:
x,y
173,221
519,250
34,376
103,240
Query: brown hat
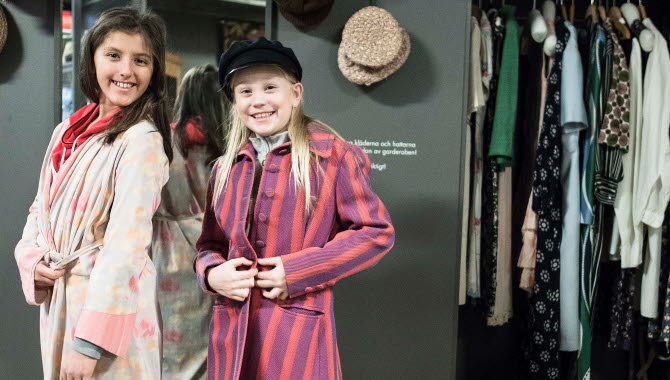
x,y
373,46
367,75
304,13
3,29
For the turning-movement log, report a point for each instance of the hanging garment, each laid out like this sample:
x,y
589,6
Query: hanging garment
x,y
185,310
659,328
502,306
502,140
525,142
527,256
476,103
489,244
629,232
653,187
589,263
613,142
573,121
94,218
547,203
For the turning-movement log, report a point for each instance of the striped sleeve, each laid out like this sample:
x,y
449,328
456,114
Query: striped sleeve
x,y
212,243
366,233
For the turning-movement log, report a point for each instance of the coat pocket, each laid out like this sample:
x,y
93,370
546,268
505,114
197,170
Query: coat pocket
x,y
301,311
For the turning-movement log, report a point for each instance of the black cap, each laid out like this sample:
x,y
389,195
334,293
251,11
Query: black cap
x,y
243,54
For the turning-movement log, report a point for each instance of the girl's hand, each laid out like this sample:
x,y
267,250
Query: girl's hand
x,y
272,281
45,277
235,284
77,366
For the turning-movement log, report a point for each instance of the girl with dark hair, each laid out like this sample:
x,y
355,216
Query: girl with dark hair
x,y
83,256
178,223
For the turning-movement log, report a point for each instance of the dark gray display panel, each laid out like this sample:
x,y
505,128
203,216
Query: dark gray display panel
x,y
398,320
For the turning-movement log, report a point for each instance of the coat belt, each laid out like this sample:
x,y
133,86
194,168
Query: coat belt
x,y
73,256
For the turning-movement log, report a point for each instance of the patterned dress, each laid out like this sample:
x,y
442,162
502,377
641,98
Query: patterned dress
x,y
547,203
177,225
93,217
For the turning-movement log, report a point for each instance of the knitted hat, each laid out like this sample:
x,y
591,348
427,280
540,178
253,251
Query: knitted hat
x,y
304,13
373,46
243,54
3,29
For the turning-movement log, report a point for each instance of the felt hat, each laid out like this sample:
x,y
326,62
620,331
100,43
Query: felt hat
x,y
3,29
373,46
304,13
243,54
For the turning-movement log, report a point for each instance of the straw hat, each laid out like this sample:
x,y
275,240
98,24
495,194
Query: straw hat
x,y
304,13
373,46
3,29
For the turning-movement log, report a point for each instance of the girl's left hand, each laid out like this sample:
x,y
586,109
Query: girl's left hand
x,y
77,367
272,281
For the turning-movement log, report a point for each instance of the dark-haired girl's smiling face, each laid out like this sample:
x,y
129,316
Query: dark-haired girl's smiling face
x,y
123,66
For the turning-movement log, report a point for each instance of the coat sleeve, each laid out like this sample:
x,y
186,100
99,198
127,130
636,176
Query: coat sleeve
x,y
212,245
366,233
108,316
28,253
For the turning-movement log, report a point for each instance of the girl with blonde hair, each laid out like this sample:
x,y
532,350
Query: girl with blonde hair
x,y
290,211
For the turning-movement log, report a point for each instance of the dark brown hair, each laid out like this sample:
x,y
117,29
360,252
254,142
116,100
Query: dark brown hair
x,y
199,98
149,106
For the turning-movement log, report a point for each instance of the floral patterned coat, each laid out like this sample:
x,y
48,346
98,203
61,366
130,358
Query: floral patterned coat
x,y
93,217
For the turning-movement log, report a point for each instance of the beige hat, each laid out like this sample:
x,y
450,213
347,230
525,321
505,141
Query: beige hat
x,y
3,29
373,46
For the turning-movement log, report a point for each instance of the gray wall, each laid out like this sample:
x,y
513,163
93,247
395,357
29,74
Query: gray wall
x,y
192,37
28,114
398,320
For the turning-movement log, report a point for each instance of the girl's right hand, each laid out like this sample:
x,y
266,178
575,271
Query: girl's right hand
x,y
235,284
45,277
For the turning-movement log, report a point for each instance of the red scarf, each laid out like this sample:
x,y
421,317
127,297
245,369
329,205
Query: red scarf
x,y
80,130
194,134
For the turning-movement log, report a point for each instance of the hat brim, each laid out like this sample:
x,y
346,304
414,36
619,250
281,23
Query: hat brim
x,y
306,19
365,75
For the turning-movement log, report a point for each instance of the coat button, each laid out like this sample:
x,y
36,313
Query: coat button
x,y
273,168
260,243
282,151
262,217
270,193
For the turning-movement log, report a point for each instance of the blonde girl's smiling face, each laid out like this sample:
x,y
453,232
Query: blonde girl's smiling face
x,y
264,99
123,68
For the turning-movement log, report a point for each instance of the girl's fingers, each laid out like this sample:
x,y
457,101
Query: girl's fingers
x,y
239,261
267,284
244,274
266,275
272,294
269,261
43,281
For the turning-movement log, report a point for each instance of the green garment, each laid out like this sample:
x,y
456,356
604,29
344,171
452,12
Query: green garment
x,y
502,137
596,83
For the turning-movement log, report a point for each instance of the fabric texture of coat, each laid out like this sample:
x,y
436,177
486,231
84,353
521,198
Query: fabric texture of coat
x,y
93,217
347,231
177,225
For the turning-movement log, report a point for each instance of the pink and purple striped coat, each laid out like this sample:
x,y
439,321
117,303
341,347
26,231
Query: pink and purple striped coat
x,y
347,231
